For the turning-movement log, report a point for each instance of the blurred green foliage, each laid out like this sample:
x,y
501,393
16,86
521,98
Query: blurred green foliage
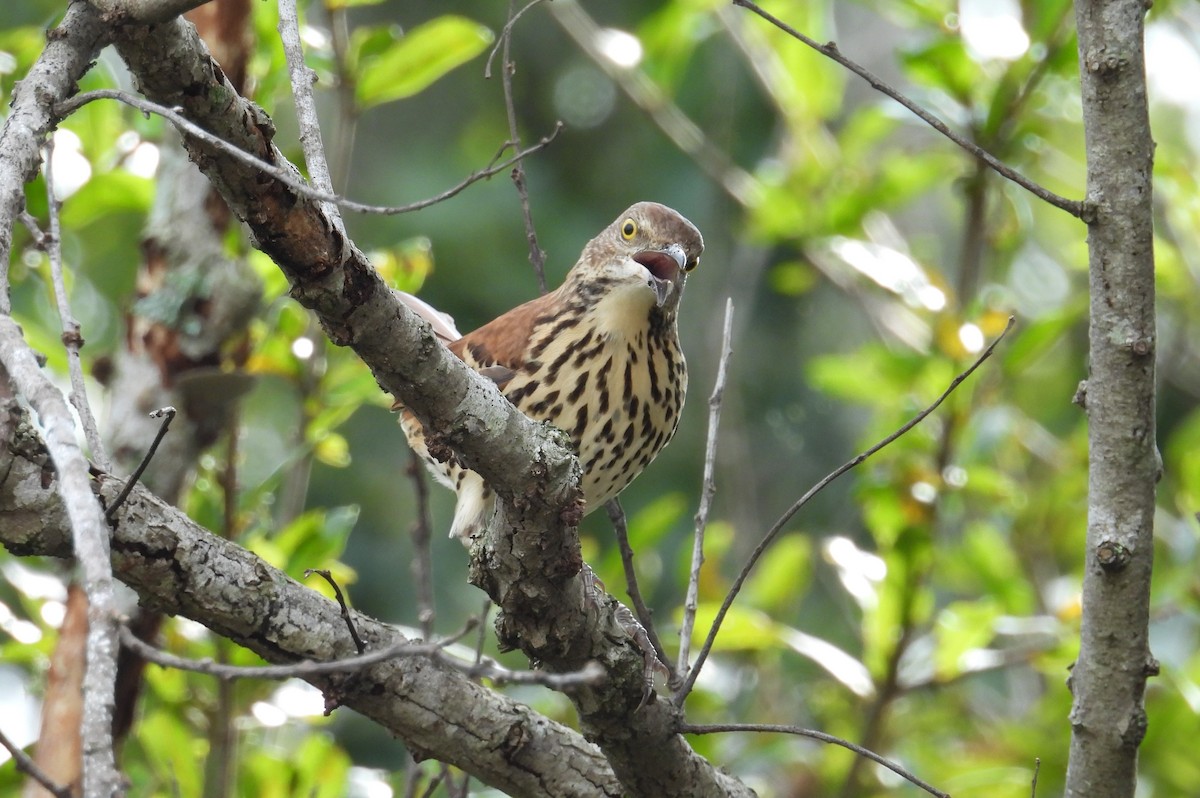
x,y
926,604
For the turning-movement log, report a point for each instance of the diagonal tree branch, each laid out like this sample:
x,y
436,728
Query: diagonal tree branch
x,y
830,49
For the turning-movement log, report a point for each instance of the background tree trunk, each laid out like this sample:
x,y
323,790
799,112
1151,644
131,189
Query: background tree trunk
x,y
1108,719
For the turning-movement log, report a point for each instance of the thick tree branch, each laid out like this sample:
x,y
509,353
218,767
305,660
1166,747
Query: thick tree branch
x,y
1108,682
145,11
180,568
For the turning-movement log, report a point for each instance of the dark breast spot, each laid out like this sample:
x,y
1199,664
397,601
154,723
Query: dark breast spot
x,y
517,394
539,408
570,349
581,419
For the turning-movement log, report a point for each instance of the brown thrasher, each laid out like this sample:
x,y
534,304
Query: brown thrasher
x,y
599,358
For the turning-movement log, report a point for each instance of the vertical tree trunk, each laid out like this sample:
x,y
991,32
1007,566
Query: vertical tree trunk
x,y
1108,719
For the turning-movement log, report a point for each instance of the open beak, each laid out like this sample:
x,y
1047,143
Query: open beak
x,y
665,267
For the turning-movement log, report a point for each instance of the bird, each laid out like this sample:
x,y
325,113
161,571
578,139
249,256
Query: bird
x,y
598,357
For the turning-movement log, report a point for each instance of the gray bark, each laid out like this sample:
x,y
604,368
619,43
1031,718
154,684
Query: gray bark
x,y
1108,719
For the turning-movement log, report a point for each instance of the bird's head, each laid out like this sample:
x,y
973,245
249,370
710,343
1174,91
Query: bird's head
x,y
643,257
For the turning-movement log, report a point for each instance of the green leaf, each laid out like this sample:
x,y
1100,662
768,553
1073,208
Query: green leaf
x,y
792,278
742,629
782,577
944,64
419,58
333,450
962,627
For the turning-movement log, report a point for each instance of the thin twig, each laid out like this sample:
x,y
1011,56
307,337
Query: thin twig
x,y
777,527
717,728
1037,768
301,79
90,537
166,413
616,514
591,673
505,32
422,561
341,600
460,790
709,488
72,338
25,764
830,49
686,135
443,774
288,176
536,256
412,775
481,640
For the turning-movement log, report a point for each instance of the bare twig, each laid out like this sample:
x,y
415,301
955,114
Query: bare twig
x,y
830,49
91,543
708,489
592,673
72,338
1037,768
306,109
422,561
341,600
481,640
504,33
296,483
536,256
413,772
345,131
685,134
25,764
230,672
617,516
287,176
435,782
716,728
777,527
166,414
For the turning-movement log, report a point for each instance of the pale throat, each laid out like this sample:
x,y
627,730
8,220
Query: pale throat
x,y
624,311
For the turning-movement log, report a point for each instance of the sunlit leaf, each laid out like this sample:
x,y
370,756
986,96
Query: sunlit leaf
x,y
944,64
420,57
959,628
782,578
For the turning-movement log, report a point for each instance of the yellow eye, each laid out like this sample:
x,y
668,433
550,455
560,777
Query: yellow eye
x,y
691,264
628,229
